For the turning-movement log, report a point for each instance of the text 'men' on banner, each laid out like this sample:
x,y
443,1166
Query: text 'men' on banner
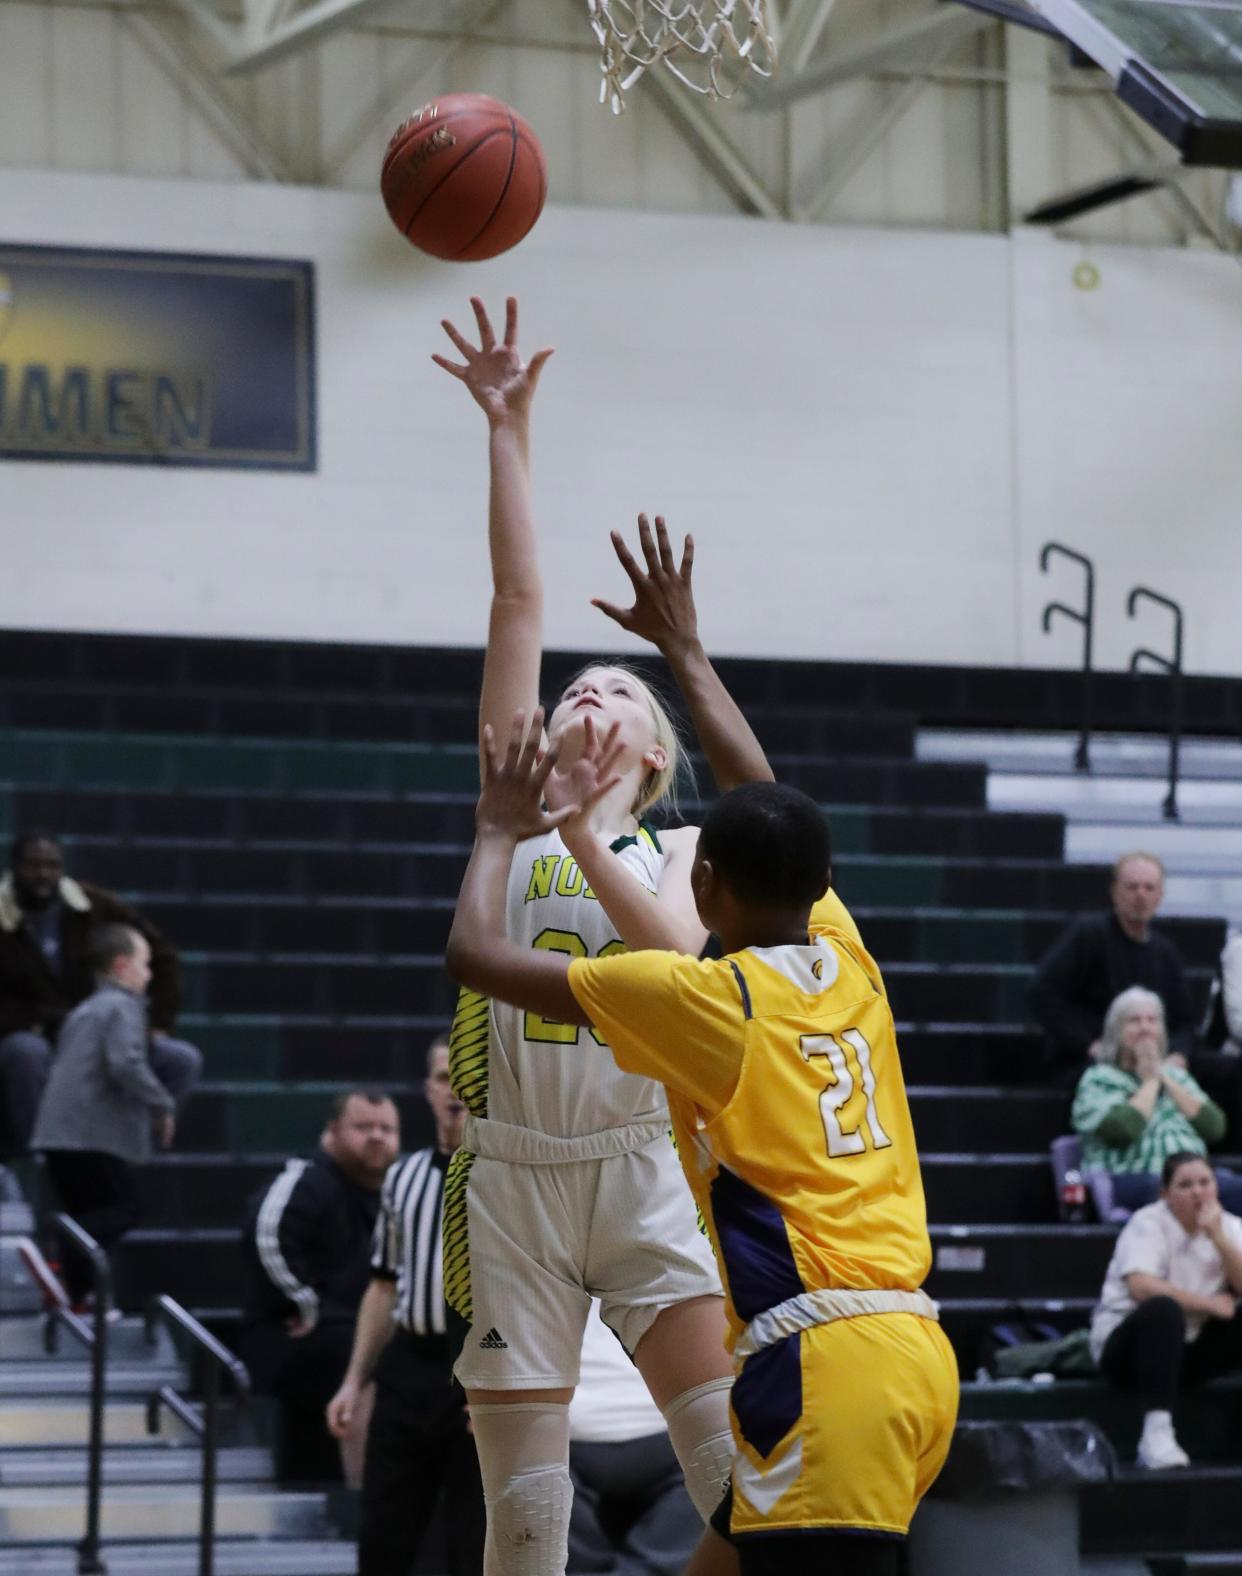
x,y
153,358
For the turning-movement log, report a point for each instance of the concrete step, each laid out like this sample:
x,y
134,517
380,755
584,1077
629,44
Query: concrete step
x,y
1185,895
1117,754
16,1216
48,1380
67,1422
165,1463
1165,1515
57,1515
22,1338
1226,1563
1185,849
1135,801
18,1293
244,1557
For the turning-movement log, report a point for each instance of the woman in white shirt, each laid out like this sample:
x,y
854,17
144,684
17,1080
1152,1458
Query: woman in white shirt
x,y
1168,1314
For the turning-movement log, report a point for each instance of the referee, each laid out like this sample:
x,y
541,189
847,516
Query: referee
x,y
419,1444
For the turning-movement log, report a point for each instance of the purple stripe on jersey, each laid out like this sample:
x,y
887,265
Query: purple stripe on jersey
x,y
754,1244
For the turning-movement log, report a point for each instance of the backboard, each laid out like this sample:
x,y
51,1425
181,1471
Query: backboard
x,y
1176,63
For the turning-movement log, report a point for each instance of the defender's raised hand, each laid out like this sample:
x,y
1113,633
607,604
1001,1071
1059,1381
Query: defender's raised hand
x,y
585,783
511,801
501,383
663,611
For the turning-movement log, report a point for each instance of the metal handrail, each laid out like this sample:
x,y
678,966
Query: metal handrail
x,y
94,1336
202,1422
1082,756
1173,667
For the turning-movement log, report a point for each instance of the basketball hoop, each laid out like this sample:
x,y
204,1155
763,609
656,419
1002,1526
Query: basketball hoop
x,y
710,45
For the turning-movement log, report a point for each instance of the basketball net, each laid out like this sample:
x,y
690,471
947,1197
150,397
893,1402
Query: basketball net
x,y
710,45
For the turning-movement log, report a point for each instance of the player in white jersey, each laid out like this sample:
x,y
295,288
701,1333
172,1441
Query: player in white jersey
x,y
567,1185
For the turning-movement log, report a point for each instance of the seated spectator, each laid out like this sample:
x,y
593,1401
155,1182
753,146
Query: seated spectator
x,y
419,1448
102,1102
1098,957
46,923
1168,1314
1135,1105
306,1255
631,1514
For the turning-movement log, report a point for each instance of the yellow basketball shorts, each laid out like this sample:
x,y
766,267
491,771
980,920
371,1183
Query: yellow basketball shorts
x,y
844,1425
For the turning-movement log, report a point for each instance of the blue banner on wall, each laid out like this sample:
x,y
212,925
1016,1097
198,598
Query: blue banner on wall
x,y
156,358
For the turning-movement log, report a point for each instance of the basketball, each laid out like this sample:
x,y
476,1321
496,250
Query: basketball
x,y
464,178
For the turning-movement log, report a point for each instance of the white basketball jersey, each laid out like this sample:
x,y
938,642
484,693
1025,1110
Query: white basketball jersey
x,y
514,1066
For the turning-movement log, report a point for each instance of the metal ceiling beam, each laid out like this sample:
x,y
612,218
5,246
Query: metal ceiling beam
x,y
202,87
943,26
801,31
847,161
717,152
223,34
1134,130
317,22
844,164
418,65
1097,194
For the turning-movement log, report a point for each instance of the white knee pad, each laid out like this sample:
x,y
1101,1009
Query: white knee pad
x,y
698,1429
524,1462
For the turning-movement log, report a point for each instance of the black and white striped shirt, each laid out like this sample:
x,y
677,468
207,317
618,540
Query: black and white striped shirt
x,y
406,1247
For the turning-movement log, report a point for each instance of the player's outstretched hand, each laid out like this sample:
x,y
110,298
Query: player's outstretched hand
x,y
511,801
663,611
500,381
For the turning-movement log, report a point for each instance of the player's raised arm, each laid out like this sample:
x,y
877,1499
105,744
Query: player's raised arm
x,y
503,386
664,613
510,809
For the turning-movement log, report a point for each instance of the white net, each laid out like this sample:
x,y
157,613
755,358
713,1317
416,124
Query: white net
x,y
710,45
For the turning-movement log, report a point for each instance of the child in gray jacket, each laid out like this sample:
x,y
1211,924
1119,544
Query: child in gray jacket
x,y
103,1102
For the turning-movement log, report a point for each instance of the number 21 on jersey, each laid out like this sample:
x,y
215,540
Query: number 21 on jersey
x,y
840,1091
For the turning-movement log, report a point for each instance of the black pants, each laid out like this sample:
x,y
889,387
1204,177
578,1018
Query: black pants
x,y
1148,1354
304,1372
101,1194
419,1453
827,1553
631,1514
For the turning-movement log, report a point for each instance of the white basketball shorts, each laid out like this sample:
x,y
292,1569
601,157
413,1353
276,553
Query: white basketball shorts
x,y
531,1238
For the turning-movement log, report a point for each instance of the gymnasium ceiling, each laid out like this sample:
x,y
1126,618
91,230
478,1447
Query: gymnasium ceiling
x,y
1018,126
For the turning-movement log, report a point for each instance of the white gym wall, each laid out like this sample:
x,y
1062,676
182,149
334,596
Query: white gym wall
x,y
871,424
870,433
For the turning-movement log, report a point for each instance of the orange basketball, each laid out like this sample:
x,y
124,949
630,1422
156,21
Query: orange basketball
x,y
464,178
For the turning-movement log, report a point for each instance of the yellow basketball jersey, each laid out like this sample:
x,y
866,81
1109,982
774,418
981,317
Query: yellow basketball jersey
x,y
788,1104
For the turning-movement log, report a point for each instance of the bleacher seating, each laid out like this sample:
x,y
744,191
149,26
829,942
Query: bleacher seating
x,y
297,817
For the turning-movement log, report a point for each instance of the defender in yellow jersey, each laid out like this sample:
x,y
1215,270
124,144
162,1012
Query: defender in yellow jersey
x,y
781,1064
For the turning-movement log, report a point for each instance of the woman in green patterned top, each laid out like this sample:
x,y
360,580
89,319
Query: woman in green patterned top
x,y
1136,1106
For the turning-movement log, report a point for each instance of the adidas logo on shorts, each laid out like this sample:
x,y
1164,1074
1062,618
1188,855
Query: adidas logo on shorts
x,y
492,1342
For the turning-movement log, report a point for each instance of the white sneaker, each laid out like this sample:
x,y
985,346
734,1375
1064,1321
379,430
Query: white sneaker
x,y
1158,1448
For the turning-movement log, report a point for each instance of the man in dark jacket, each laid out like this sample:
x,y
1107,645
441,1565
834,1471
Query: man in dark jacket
x,y
46,925
306,1256
1099,956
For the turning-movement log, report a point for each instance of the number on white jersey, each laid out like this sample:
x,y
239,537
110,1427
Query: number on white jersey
x,y
547,1031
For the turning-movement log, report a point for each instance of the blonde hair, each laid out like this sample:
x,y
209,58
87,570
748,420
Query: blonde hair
x,y
1119,1009
660,784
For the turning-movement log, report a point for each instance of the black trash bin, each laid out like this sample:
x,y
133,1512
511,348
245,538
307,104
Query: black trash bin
x,y
1009,1495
